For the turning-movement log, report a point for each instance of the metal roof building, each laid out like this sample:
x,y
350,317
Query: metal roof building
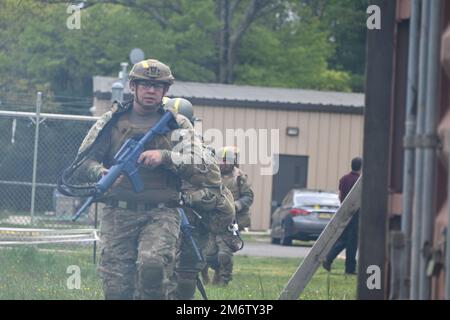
x,y
235,95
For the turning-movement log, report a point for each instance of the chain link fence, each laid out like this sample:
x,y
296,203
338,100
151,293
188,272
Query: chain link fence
x,y
36,148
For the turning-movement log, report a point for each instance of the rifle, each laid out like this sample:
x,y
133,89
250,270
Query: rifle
x,y
126,161
187,228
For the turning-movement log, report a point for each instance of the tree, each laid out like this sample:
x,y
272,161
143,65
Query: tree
x,y
346,22
290,50
234,16
232,31
286,43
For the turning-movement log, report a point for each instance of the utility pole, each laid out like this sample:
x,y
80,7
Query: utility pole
x,y
377,119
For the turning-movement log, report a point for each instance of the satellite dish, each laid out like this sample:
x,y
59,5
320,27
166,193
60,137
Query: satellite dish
x,y
136,55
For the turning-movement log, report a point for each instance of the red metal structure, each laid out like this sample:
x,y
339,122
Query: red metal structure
x,y
384,190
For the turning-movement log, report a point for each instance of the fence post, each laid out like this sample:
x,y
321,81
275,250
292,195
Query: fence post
x,y
36,143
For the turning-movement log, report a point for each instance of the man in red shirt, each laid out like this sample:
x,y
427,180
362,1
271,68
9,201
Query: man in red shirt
x,y
349,238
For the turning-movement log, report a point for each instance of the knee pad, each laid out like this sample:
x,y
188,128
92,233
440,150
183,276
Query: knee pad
x,y
151,274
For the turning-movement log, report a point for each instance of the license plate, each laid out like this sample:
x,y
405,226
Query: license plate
x,y
324,216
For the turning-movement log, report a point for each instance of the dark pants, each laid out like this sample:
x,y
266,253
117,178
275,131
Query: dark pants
x,y
348,241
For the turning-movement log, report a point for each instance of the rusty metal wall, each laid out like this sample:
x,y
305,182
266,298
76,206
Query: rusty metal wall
x,y
396,146
441,217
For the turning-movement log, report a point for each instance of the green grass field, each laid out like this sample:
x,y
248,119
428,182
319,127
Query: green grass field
x,y
28,273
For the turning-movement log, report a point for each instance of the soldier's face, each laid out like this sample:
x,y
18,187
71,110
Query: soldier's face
x,y
149,94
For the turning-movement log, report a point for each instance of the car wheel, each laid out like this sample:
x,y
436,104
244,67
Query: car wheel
x,y
285,240
275,240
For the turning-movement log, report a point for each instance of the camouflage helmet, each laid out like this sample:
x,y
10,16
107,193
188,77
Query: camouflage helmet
x,y
181,106
151,69
228,155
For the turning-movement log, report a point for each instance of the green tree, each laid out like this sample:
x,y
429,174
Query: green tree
x,y
232,20
286,43
291,50
345,20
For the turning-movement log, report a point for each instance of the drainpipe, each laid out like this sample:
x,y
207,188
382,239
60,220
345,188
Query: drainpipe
x,y
408,167
418,173
430,144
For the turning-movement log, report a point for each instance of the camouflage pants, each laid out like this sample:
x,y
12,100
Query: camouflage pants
x,y
138,253
219,257
243,220
188,265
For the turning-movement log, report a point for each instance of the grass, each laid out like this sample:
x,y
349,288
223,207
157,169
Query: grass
x,y
28,273
264,278
265,237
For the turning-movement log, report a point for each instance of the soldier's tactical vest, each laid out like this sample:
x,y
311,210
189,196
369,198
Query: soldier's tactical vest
x,y
160,184
231,181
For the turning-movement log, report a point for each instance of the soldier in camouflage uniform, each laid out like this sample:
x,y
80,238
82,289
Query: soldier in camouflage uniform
x,y
220,248
204,217
181,106
140,231
237,182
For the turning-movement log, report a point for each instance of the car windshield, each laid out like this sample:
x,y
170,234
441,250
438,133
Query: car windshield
x,y
311,200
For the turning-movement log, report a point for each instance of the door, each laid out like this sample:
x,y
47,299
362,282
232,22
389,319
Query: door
x,y
292,173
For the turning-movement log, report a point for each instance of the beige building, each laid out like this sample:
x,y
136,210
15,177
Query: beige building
x,y
318,133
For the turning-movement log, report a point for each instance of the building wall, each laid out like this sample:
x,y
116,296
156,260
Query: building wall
x,y
101,106
330,140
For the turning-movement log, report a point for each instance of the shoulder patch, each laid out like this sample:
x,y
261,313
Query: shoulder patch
x,y
94,131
